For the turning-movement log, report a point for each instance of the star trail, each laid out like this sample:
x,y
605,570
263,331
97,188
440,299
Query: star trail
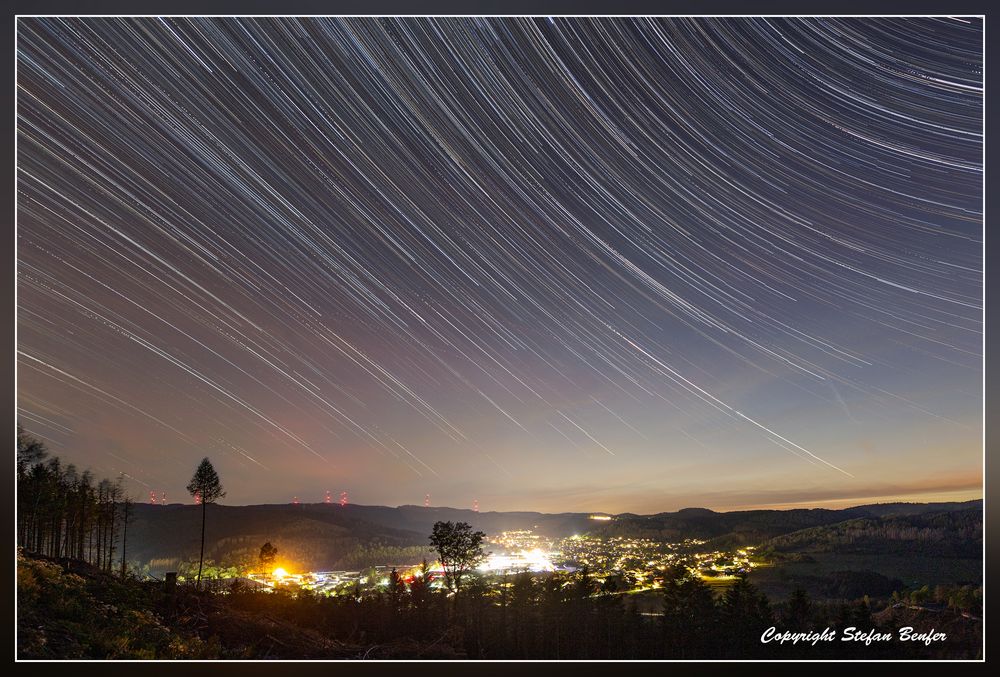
x,y
550,263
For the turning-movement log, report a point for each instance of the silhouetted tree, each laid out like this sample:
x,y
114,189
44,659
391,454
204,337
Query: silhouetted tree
x,y
419,589
861,614
921,596
583,586
126,513
115,493
267,557
798,611
29,449
689,614
205,484
746,613
396,591
459,548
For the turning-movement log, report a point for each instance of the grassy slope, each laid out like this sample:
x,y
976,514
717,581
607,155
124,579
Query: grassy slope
x,y
83,613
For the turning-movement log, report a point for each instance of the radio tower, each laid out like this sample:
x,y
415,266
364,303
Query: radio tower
x,y
475,505
163,498
327,500
152,498
427,501
343,498
197,498
295,500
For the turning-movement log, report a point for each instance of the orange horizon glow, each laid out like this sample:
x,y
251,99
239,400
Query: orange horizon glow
x,y
842,503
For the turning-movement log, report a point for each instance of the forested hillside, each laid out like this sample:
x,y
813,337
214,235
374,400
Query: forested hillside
x,y
940,534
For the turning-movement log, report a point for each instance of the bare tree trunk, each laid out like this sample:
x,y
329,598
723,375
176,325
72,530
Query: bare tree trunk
x,y
81,535
98,543
125,507
111,533
201,557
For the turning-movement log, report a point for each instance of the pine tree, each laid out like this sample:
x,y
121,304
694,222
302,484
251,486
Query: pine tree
x,y
205,484
745,613
689,614
126,513
798,613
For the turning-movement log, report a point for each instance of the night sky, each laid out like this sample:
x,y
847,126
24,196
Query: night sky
x,y
544,263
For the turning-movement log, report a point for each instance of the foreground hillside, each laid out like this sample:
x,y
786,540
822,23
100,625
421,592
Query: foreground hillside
x,y
70,610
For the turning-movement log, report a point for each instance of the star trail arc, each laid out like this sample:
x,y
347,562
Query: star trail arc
x,y
405,245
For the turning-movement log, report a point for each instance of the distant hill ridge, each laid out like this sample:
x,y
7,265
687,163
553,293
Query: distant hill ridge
x,y
330,536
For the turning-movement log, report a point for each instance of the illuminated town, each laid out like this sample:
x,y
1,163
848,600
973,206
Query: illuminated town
x,y
635,564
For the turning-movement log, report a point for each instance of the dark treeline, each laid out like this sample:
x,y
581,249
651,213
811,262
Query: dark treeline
x,y
65,513
574,616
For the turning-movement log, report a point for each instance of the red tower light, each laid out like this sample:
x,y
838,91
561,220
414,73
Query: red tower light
x,y
475,505
327,499
197,498
295,500
152,498
343,498
427,501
